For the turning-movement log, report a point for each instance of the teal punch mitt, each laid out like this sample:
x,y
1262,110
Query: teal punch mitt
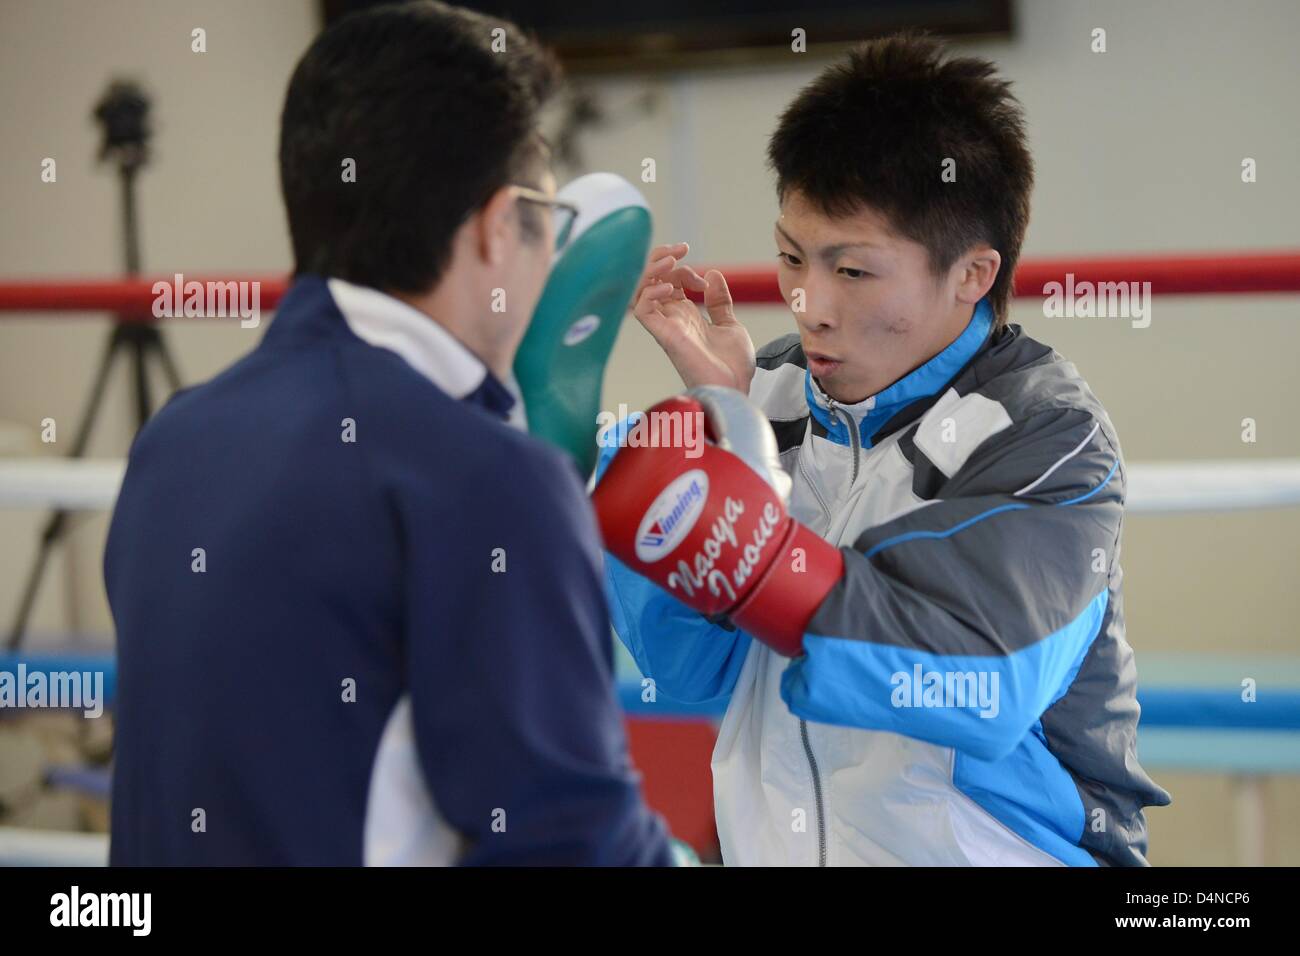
x,y
560,366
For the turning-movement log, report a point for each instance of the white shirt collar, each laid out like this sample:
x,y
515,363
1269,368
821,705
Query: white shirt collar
x,y
389,323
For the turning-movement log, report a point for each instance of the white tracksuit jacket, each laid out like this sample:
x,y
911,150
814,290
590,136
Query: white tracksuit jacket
x,y
966,694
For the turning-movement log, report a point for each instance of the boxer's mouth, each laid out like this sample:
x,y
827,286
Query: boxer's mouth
x,y
820,364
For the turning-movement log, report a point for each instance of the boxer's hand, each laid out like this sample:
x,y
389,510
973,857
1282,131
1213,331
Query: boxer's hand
x,y
716,350
711,526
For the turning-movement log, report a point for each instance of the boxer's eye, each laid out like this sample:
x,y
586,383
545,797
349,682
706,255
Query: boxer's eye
x,y
855,273
788,259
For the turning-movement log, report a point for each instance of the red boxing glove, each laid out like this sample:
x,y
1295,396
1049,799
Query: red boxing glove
x,y
709,523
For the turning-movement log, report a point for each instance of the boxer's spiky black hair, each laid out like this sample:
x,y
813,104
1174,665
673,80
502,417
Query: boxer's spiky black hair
x,y
435,120
875,129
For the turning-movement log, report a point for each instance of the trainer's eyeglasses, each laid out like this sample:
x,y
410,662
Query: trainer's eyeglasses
x,y
563,214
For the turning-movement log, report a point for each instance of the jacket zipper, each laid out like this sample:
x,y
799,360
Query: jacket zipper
x,y
803,724
817,793
855,441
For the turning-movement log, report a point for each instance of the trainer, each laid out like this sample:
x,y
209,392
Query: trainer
x,y
359,613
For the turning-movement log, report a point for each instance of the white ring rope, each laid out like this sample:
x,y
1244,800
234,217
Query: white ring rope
x,y
1170,487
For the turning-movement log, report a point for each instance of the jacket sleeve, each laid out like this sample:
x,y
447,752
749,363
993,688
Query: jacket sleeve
x,y
962,621
518,728
689,658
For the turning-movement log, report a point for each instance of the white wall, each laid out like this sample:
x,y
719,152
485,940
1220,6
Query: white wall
x,y
1138,150
208,202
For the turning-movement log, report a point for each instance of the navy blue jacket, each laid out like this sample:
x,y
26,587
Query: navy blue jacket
x,y
342,584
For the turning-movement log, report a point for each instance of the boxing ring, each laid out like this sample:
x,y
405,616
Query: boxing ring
x,y
1193,715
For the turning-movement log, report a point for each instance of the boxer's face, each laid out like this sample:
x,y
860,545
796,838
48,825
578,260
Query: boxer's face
x,y
872,309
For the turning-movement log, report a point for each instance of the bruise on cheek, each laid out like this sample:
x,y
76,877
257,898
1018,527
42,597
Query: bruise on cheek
x,y
898,326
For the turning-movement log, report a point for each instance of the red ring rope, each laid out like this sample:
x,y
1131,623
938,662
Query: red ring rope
x,y
1221,274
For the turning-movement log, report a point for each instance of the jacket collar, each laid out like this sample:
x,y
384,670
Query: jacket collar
x,y
389,323
873,412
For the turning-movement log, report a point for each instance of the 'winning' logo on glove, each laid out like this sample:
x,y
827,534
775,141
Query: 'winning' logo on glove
x,y
671,515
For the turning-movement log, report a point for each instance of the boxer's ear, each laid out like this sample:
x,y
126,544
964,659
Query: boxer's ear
x,y
976,272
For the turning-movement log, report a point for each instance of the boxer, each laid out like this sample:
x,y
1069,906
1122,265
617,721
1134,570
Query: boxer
x,y
897,559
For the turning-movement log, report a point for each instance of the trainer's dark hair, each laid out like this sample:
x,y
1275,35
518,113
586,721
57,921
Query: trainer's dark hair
x,y
436,122
874,130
